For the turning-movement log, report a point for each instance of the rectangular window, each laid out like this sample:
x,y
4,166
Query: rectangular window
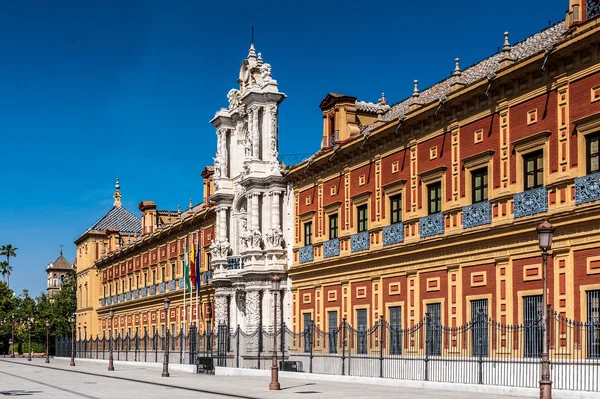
x,y
479,331
532,312
592,154
333,226
308,233
361,331
534,169
395,330
396,209
164,274
172,271
307,331
593,314
434,329
363,224
130,287
153,276
434,197
480,185
332,320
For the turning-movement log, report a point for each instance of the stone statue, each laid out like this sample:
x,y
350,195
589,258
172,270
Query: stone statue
x,y
217,163
265,73
277,238
233,96
224,248
214,249
245,236
256,239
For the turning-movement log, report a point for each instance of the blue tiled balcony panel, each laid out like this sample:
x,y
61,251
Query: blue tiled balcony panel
x,y
115,299
360,241
102,302
393,234
128,296
431,225
144,292
108,301
234,263
587,189
172,285
136,294
207,276
121,298
530,202
307,254
477,214
331,248
152,290
162,287
182,282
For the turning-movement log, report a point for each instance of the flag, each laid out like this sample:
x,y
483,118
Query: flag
x,y
192,265
188,283
197,263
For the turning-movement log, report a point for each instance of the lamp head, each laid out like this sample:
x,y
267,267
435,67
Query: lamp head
x,y
275,282
111,313
545,233
166,303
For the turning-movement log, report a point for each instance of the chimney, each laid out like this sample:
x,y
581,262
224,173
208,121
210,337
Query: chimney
x,y
149,222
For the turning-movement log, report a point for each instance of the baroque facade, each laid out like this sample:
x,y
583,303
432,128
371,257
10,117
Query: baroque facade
x,y
430,205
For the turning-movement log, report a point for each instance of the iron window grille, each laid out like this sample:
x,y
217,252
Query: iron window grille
x,y
532,312
479,330
434,329
332,318
361,328
307,332
593,314
395,330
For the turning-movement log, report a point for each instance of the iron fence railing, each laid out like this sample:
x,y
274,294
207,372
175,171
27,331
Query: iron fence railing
x,y
481,351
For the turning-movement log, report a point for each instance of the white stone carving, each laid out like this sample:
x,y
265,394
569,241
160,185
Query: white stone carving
x,y
273,135
221,308
256,239
224,249
274,238
234,98
265,73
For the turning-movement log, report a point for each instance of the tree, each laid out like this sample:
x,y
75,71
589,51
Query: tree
x,y
9,251
3,269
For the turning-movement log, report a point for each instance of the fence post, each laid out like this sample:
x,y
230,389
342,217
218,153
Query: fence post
x,y
282,340
156,347
381,327
427,338
310,342
343,345
126,346
237,348
260,342
145,346
103,344
192,341
480,322
181,333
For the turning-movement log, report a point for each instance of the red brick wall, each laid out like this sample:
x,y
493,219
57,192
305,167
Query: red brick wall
x,y
582,278
489,288
402,297
520,285
355,188
444,158
580,106
441,294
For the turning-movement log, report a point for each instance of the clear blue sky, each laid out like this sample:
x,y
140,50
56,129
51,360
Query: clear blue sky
x,y
91,87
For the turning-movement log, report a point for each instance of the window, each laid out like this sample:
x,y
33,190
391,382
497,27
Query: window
x,y
395,330
307,332
153,276
593,314
332,320
480,185
164,273
532,311
333,226
363,224
479,331
434,329
361,331
434,191
130,287
116,287
308,233
534,169
172,271
396,209
593,157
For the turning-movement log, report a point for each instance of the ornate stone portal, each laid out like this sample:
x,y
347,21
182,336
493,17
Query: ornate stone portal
x,y
250,241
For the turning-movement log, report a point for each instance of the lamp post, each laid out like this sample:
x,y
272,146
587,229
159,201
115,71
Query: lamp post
x,y
29,321
274,385
47,346
545,232
72,320
12,327
110,338
165,372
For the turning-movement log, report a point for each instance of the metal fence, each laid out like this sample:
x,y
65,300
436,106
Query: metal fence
x,y
481,351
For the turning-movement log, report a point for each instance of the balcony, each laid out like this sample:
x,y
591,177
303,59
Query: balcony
x,y
431,225
136,294
153,290
121,298
172,285
102,302
393,234
331,248
108,301
234,263
144,292
587,189
182,282
531,202
477,214
162,287
207,275
360,241
128,296
307,254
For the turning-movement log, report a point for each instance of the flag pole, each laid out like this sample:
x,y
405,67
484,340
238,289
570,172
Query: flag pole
x,y
184,288
197,266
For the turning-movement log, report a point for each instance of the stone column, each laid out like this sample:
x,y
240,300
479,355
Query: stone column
x,y
255,133
275,209
224,153
222,216
273,140
255,210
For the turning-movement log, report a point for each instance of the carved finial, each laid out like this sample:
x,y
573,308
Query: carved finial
x,y
382,100
251,52
61,250
191,205
457,71
416,89
259,61
506,46
178,210
117,194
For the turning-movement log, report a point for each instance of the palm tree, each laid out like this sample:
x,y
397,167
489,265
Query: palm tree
x,y
9,251
3,269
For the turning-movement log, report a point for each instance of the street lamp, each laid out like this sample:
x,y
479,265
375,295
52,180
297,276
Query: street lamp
x,y
72,320
165,372
545,232
12,327
29,321
274,385
47,346
110,338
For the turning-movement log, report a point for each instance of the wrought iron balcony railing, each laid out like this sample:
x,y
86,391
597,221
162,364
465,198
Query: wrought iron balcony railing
x,y
431,225
360,241
530,202
331,248
393,234
587,189
477,214
307,254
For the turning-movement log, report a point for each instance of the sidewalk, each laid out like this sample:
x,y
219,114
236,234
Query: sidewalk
x,y
92,380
